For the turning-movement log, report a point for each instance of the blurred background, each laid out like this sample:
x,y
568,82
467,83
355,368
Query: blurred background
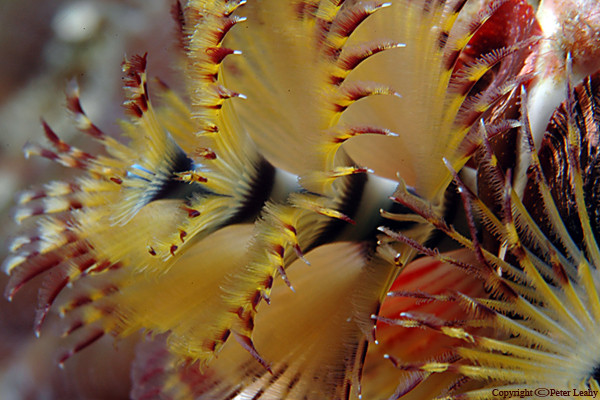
x,y
43,45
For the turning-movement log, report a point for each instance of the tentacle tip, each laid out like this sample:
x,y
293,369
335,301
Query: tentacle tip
x,y
27,150
8,265
26,196
300,254
447,163
267,299
304,260
248,345
348,220
40,318
22,214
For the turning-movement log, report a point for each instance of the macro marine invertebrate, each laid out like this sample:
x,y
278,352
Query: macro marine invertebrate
x,y
542,298
300,121
535,253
